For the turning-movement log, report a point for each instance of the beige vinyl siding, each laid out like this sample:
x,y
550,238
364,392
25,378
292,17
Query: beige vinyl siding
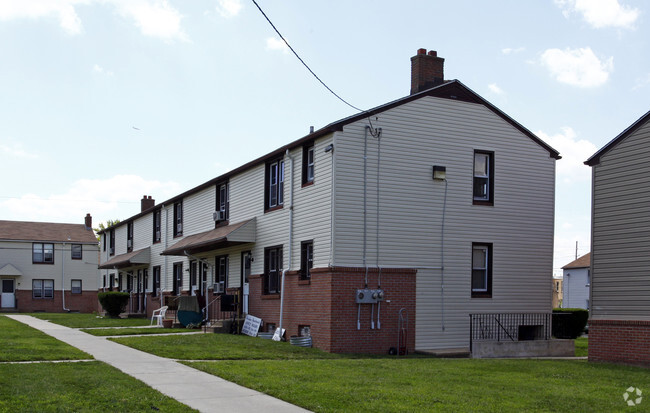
x,y
621,230
432,131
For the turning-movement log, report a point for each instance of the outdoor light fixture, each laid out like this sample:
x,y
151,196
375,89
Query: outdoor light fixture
x,y
439,173
329,147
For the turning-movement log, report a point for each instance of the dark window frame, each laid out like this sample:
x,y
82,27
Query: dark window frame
x,y
274,182
273,257
42,292
177,278
221,262
74,290
74,256
308,168
104,235
193,273
479,180
178,218
306,259
43,259
157,227
222,202
487,291
111,242
129,236
111,281
156,280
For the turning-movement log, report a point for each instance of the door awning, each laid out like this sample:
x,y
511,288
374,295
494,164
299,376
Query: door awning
x,y
221,237
130,259
10,271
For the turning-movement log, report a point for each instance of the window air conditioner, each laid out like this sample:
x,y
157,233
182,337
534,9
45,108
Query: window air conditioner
x,y
129,243
157,234
219,287
111,250
219,215
179,228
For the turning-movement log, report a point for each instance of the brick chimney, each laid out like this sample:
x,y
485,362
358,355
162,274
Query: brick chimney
x,y
88,222
427,70
146,202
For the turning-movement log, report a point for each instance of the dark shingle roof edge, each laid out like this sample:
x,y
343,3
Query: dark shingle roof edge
x,y
595,158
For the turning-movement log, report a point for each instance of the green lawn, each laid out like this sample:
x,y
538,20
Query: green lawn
x,y
19,342
77,387
136,330
414,385
221,347
77,320
582,346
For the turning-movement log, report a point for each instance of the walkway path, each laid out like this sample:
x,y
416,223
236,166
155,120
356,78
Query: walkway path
x,y
196,389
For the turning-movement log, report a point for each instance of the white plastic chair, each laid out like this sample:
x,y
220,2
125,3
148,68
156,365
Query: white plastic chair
x,y
159,314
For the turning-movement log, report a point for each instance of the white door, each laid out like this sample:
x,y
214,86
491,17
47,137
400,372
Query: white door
x,y
8,296
246,272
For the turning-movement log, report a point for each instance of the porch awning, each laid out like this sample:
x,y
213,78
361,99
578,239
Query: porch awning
x,y
10,271
130,259
221,237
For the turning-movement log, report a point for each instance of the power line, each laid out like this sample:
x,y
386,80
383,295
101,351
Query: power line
x,y
70,200
302,61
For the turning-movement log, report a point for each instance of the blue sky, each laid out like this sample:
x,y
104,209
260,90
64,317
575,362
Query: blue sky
x,y
104,101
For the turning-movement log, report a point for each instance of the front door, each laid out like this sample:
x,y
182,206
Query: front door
x,y
8,293
246,272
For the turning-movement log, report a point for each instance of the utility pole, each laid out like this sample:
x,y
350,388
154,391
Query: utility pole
x,y
576,250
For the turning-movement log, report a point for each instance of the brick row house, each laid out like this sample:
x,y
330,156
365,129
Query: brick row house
x,y
619,323
426,207
48,267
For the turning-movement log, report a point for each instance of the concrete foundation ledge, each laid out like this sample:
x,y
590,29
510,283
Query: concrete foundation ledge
x,y
528,348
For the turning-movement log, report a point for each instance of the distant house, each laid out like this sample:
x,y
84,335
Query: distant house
x,y
411,215
48,266
558,294
619,327
576,279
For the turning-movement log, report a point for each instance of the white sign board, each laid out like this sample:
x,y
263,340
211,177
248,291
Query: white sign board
x,y
251,325
277,336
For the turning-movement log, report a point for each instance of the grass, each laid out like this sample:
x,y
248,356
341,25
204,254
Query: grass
x,y
77,387
135,330
19,342
582,346
77,320
221,347
413,385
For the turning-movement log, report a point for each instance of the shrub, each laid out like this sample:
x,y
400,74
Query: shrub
x,y
569,322
113,302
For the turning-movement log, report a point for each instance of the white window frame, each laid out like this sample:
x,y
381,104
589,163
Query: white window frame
x,y
484,268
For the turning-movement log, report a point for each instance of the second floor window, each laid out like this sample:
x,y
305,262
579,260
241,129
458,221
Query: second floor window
x,y
223,200
178,219
76,251
42,253
129,236
111,242
483,178
274,193
308,164
156,226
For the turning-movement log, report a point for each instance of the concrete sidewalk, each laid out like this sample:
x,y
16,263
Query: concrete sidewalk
x,y
189,386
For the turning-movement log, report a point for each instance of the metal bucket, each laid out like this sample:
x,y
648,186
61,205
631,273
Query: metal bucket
x,y
300,341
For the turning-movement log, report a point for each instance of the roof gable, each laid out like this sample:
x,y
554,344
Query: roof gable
x,y
595,158
582,262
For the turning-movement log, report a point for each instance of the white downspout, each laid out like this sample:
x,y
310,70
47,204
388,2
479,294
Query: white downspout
x,y
284,271
63,276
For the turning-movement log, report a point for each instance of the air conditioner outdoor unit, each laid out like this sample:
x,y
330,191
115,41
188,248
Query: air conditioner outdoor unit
x,y
219,287
219,215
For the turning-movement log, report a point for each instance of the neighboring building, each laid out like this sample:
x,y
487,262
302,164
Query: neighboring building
x,y
48,267
619,327
354,205
576,276
558,294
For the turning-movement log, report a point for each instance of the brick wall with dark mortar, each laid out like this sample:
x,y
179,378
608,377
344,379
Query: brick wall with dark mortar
x,y
326,303
620,341
86,302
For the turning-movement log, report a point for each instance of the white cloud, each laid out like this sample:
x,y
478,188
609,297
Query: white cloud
x,y
15,151
115,197
98,69
229,8
577,67
509,50
63,10
273,43
574,152
642,82
495,89
601,13
154,18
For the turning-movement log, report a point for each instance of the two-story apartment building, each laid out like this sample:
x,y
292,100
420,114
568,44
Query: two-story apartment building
x,y
48,266
619,324
426,207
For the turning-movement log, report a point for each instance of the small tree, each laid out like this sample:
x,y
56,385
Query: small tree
x,y
102,227
113,302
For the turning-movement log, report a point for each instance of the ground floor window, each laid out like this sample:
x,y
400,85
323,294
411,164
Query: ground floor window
x,y
75,286
221,282
306,259
272,269
43,288
481,270
177,279
111,284
156,280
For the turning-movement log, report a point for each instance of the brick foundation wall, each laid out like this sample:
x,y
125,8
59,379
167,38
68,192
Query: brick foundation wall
x,y
327,304
86,302
620,341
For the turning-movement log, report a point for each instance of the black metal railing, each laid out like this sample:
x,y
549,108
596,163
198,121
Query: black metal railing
x,y
223,307
509,327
